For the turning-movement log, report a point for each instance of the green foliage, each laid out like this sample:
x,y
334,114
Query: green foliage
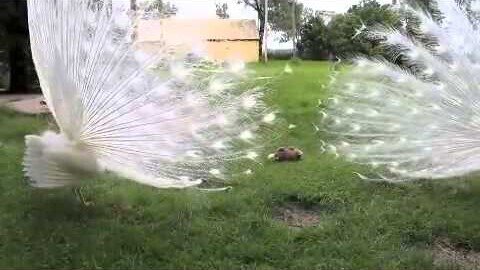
x,y
369,13
314,42
280,14
430,6
340,37
281,17
412,25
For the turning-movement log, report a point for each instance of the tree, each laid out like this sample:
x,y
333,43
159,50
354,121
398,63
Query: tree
x,y
222,11
313,42
155,9
259,8
412,22
280,17
430,6
286,17
344,37
14,25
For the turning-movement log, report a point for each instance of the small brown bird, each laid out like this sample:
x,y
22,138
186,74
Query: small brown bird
x,y
287,154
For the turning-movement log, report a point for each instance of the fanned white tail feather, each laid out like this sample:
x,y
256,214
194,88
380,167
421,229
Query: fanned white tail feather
x,y
414,125
51,160
159,120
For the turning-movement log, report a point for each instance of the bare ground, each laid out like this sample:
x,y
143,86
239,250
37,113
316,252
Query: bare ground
x,y
28,104
445,254
295,215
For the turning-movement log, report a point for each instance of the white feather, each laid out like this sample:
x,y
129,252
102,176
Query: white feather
x,y
140,116
426,121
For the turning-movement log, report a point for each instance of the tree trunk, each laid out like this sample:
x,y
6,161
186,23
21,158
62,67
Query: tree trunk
x,y
260,41
265,31
18,62
19,59
294,28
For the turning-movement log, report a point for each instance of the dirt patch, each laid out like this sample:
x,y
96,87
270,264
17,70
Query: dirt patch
x,y
454,257
296,215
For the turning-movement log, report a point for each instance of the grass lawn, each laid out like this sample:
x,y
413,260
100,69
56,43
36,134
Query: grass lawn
x,y
358,225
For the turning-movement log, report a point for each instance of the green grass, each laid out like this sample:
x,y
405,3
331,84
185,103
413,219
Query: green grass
x,y
362,225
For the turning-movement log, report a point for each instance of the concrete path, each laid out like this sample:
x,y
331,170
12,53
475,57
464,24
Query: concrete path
x,y
28,104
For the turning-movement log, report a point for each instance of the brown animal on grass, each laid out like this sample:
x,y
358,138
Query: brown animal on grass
x,y
287,154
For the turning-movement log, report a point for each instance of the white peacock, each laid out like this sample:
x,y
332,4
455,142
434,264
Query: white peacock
x,y
156,120
413,124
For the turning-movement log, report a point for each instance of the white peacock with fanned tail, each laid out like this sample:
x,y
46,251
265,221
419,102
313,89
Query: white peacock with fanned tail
x,y
417,122
162,120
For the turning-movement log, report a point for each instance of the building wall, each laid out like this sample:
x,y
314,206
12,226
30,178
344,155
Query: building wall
x,y
154,48
244,50
213,38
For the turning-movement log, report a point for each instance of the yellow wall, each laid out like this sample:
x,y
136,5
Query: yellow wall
x,y
246,51
153,48
233,50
